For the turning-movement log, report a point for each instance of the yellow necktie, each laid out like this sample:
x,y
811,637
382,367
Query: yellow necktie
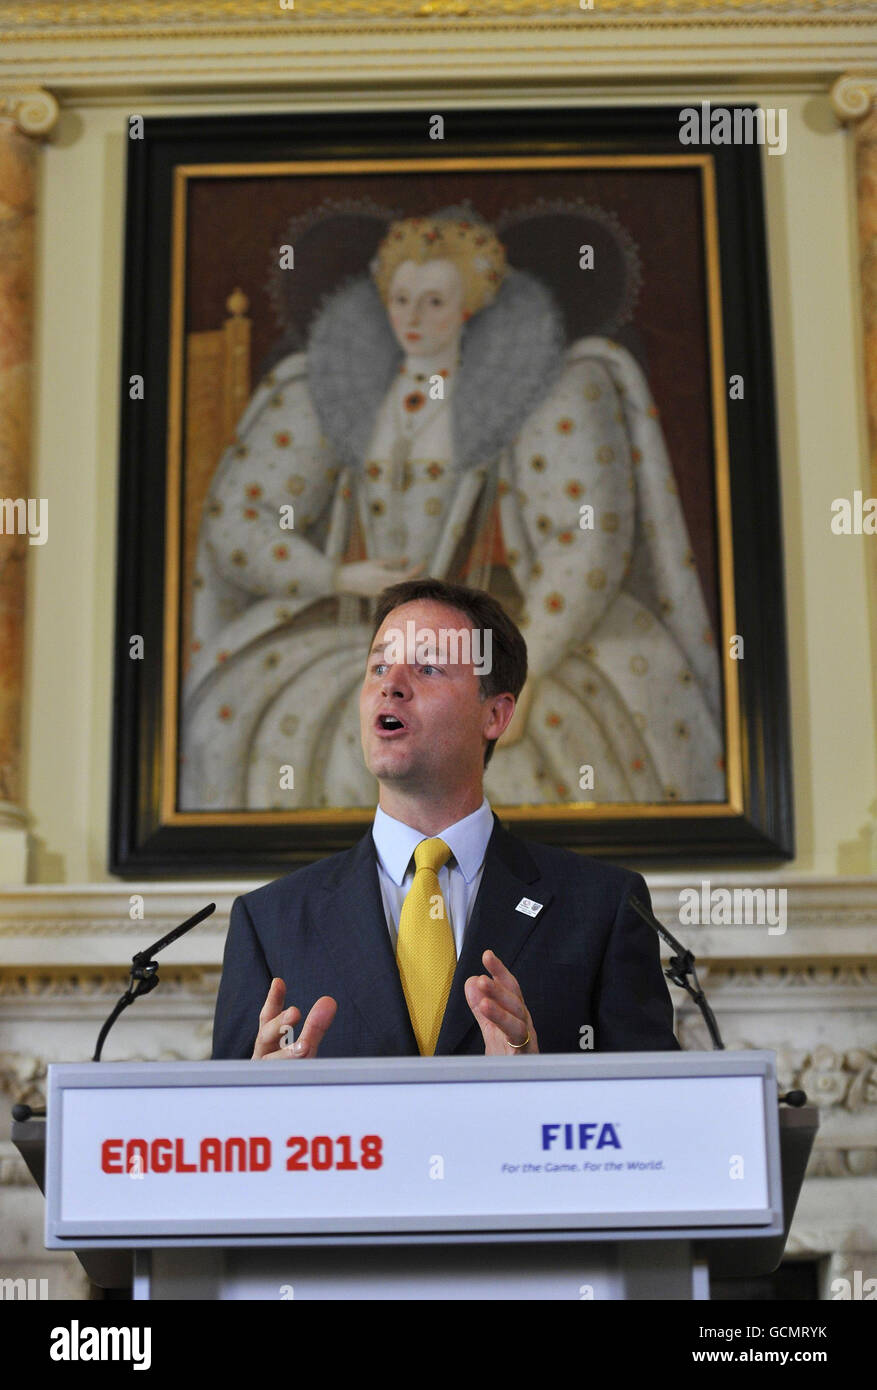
x,y
425,951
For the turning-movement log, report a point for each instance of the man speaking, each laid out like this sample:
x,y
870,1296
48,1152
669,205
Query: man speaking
x,y
440,932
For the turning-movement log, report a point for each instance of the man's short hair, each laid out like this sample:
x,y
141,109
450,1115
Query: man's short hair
x,y
509,650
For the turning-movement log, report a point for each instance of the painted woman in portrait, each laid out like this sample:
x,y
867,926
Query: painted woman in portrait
x,y
438,423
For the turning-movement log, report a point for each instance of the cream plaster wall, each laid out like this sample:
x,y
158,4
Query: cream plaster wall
x,y
814,279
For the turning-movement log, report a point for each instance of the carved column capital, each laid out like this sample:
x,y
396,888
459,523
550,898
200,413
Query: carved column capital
x,y
853,96
33,109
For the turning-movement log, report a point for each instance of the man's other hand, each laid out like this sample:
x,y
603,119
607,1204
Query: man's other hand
x,y
499,1010
274,1038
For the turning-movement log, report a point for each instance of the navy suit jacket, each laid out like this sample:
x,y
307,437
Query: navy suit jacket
x,y
585,959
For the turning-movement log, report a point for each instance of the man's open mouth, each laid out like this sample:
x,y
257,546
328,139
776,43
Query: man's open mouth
x,y
388,724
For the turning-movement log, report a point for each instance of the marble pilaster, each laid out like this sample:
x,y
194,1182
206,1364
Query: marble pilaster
x,y
25,119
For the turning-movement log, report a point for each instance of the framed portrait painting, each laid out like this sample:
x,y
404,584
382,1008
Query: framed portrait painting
x,y
525,351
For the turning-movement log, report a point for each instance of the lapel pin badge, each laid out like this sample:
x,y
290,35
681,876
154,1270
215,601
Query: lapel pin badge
x,y
527,905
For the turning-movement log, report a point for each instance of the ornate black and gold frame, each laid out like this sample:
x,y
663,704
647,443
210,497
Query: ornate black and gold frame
x,y
741,554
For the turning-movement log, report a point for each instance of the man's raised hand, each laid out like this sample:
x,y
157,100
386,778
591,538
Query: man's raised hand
x,y
500,1011
274,1038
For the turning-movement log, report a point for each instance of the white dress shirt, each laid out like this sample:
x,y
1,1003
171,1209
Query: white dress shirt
x,y
459,879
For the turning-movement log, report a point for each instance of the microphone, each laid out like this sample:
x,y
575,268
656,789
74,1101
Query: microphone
x,y
681,966
22,1112
144,973
794,1098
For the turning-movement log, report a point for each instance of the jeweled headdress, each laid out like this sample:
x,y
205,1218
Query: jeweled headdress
x,y
468,243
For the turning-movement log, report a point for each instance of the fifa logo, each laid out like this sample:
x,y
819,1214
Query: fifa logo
x,y
580,1136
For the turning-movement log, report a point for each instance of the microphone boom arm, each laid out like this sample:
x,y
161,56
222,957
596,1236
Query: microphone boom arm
x,y
681,966
144,973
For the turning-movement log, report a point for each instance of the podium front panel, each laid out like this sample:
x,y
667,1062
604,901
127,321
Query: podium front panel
x,y
596,1146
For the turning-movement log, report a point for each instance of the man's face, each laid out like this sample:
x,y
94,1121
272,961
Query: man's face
x,y
426,306
439,743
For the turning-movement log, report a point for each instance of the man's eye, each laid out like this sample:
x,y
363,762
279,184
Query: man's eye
x,y
378,666
427,667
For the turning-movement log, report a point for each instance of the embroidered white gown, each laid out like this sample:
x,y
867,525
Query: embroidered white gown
x,y
616,626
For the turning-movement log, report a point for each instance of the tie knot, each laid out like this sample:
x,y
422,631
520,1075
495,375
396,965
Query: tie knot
x,y
432,854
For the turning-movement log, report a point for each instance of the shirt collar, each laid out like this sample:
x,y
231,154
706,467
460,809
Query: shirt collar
x,y
467,838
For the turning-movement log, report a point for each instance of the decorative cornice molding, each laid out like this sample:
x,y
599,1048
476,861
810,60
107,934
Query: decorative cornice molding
x,y
784,977
79,909
23,19
45,984
254,52
49,981
853,96
831,922
35,112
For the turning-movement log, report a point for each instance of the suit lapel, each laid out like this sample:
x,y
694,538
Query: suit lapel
x,y
494,923
354,928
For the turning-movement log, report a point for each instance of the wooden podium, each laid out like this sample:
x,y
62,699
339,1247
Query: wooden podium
x,y
573,1176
